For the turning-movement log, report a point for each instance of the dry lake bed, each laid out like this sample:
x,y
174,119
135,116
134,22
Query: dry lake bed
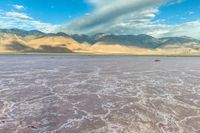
x,y
99,94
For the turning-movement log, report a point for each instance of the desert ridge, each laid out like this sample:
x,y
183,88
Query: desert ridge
x,y
19,41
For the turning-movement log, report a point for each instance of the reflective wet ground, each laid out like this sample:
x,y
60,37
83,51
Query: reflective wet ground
x,y
99,94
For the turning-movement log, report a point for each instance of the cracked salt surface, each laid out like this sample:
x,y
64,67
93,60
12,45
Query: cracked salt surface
x,y
99,94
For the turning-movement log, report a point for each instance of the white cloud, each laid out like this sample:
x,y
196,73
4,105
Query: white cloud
x,y
186,29
19,7
17,15
190,12
171,2
23,21
191,29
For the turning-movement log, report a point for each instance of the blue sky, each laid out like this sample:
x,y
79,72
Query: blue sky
x,y
155,17
185,11
51,11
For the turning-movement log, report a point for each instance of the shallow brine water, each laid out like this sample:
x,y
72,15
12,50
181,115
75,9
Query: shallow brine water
x,y
99,94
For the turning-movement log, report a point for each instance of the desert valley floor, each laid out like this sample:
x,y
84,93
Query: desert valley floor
x,y
99,94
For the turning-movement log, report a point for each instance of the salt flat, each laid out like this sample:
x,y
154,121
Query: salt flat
x,y
99,94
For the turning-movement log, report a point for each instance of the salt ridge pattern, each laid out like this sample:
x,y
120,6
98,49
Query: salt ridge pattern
x,y
99,94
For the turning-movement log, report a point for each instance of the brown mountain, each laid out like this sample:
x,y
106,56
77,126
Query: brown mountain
x,y
20,41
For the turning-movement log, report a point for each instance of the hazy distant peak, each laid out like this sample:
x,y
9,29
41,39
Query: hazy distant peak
x,y
22,33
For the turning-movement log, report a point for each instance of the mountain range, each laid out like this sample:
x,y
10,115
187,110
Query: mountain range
x,y
34,41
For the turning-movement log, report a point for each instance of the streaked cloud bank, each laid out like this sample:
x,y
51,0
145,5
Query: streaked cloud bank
x,y
130,17
112,13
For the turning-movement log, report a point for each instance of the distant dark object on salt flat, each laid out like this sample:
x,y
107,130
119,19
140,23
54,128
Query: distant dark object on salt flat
x,y
33,127
157,60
